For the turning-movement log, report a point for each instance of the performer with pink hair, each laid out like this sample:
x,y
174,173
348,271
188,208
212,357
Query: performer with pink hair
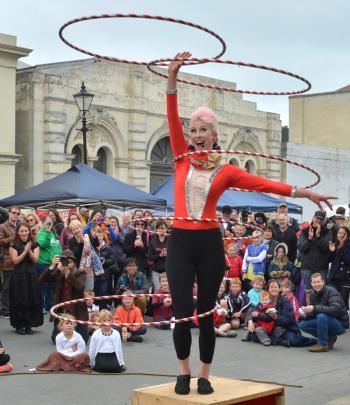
x,y
196,249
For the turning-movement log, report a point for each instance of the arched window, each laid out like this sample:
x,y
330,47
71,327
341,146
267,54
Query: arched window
x,y
101,163
161,163
250,167
78,156
234,162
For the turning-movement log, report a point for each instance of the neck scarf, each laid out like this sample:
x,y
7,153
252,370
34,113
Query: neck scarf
x,y
205,162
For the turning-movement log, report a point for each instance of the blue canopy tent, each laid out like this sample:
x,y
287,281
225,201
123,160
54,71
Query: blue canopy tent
x,y
240,200
83,185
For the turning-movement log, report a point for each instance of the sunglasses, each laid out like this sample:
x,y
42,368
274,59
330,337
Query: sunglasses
x,y
15,213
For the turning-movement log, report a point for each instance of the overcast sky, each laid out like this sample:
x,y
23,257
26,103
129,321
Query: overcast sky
x,y
308,37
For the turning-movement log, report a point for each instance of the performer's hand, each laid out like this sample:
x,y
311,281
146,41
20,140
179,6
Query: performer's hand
x,y
175,65
315,198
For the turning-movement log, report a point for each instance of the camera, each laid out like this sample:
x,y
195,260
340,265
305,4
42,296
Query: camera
x,y
64,260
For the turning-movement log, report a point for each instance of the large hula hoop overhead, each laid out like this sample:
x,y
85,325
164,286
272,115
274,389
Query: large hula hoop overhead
x,y
162,62
110,297
143,16
255,154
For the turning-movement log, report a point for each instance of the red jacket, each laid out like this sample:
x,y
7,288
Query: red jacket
x,y
133,315
264,320
235,267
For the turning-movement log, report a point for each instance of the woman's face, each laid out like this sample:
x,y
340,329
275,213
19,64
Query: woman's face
x,y
31,220
274,289
52,216
23,233
77,231
73,217
280,253
202,135
341,234
113,223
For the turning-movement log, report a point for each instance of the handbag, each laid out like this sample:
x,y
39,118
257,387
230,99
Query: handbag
x,y
90,261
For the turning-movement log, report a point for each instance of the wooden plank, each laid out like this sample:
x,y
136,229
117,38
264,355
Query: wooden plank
x,y
227,392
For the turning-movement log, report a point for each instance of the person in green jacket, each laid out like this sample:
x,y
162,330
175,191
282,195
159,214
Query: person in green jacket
x,y
49,244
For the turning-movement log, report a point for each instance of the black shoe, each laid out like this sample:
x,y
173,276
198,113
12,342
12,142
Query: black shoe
x,y
136,338
204,387
29,330
182,386
20,331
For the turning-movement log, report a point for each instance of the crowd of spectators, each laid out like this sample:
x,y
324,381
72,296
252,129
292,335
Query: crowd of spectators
x,y
282,278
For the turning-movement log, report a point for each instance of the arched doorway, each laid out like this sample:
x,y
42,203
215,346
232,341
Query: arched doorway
x,y
101,163
161,163
78,155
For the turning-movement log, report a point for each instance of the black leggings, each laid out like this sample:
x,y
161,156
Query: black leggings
x,y
191,254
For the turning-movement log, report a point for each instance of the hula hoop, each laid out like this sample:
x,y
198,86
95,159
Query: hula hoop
x,y
162,62
256,154
108,297
194,219
145,16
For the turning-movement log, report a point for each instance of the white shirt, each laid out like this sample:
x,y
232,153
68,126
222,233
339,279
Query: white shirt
x,y
99,342
65,346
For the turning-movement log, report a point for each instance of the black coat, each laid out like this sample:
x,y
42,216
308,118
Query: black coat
x,y
329,301
314,253
340,267
140,254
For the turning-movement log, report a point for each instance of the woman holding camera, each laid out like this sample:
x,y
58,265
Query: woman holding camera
x,y
49,244
25,295
69,281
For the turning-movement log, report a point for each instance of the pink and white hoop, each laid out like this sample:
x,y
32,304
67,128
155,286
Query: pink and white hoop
x,y
143,16
109,297
194,219
255,154
162,62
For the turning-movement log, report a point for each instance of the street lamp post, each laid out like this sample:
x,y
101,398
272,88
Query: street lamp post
x,y
83,100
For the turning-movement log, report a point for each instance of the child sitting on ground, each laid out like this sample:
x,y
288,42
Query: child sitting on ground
x,y
286,291
221,325
234,261
127,312
5,366
264,323
162,306
70,355
92,308
254,293
105,350
238,304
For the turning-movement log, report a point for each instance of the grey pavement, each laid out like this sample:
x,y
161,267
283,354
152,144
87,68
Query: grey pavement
x,y
324,377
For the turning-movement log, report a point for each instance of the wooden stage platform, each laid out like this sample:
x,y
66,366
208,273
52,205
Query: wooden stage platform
x,y
227,392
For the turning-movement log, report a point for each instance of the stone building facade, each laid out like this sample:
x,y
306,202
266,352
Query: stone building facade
x,y
9,55
319,137
128,133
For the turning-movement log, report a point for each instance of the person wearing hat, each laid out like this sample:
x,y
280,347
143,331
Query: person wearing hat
x,y
281,268
282,208
313,246
227,228
70,282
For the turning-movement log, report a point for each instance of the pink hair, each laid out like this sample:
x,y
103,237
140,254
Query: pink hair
x,y
206,115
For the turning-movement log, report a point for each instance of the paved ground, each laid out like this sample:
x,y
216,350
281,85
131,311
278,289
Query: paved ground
x,y
324,377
